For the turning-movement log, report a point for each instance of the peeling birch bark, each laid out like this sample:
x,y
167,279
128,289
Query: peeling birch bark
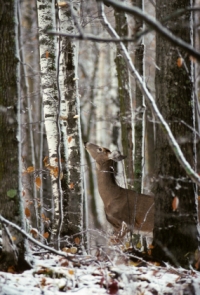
x,y
50,100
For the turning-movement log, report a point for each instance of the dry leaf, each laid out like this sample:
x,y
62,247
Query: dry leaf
x,y
43,282
46,235
30,169
149,252
73,250
175,203
69,139
54,171
71,185
27,212
64,262
45,161
64,118
47,54
14,238
38,182
66,250
61,160
179,62
11,269
71,271
151,246
34,232
62,4
77,240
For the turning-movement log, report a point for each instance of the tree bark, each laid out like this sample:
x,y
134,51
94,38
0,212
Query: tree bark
x,y
175,232
139,108
51,100
73,194
14,245
125,99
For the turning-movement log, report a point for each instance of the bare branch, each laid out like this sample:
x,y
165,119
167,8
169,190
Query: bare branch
x,y
52,250
156,25
142,85
90,37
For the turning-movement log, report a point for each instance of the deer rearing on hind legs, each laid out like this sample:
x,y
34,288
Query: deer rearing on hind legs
x,y
120,204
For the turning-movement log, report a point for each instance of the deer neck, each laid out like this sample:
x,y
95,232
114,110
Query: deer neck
x,y
107,185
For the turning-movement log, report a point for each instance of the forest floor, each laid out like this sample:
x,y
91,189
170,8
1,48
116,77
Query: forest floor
x,y
85,275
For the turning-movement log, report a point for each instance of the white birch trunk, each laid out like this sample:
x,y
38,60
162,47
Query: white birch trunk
x,y
50,99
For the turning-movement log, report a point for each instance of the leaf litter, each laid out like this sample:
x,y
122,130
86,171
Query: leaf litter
x,y
55,275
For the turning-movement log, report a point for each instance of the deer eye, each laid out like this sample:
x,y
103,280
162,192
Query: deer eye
x,y
100,149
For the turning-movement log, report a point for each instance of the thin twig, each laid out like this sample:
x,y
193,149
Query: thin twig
x,y
156,25
52,250
142,85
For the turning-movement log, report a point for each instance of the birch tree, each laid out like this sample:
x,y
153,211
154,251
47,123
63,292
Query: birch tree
x,y
62,118
46,21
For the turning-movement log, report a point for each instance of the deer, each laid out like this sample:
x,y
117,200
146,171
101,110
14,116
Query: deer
x,y
121,205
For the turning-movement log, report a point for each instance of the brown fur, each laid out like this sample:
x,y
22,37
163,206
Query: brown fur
x,y
136,210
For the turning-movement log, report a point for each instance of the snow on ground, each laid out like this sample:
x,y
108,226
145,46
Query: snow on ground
x,y
53,275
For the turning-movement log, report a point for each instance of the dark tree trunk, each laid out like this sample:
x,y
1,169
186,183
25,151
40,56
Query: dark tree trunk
x,y
13,251
73,202
139,106
124,94
175,232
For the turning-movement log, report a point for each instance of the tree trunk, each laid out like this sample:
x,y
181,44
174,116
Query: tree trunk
x,y
175,232
139,108
51,101
125,99
14,245
73,195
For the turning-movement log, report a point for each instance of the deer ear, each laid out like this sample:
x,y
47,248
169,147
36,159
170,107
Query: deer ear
x,y
116,156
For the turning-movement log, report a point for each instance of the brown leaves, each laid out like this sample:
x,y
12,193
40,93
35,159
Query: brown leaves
x,y
175,203
47,54
71,186
64,118
30,169
69,139
38,182
46,235
62,4
34,232
77,241
72,250
27,212
179,62
54,171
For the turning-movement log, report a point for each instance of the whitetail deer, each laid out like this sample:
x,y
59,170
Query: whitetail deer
x,y
120,204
